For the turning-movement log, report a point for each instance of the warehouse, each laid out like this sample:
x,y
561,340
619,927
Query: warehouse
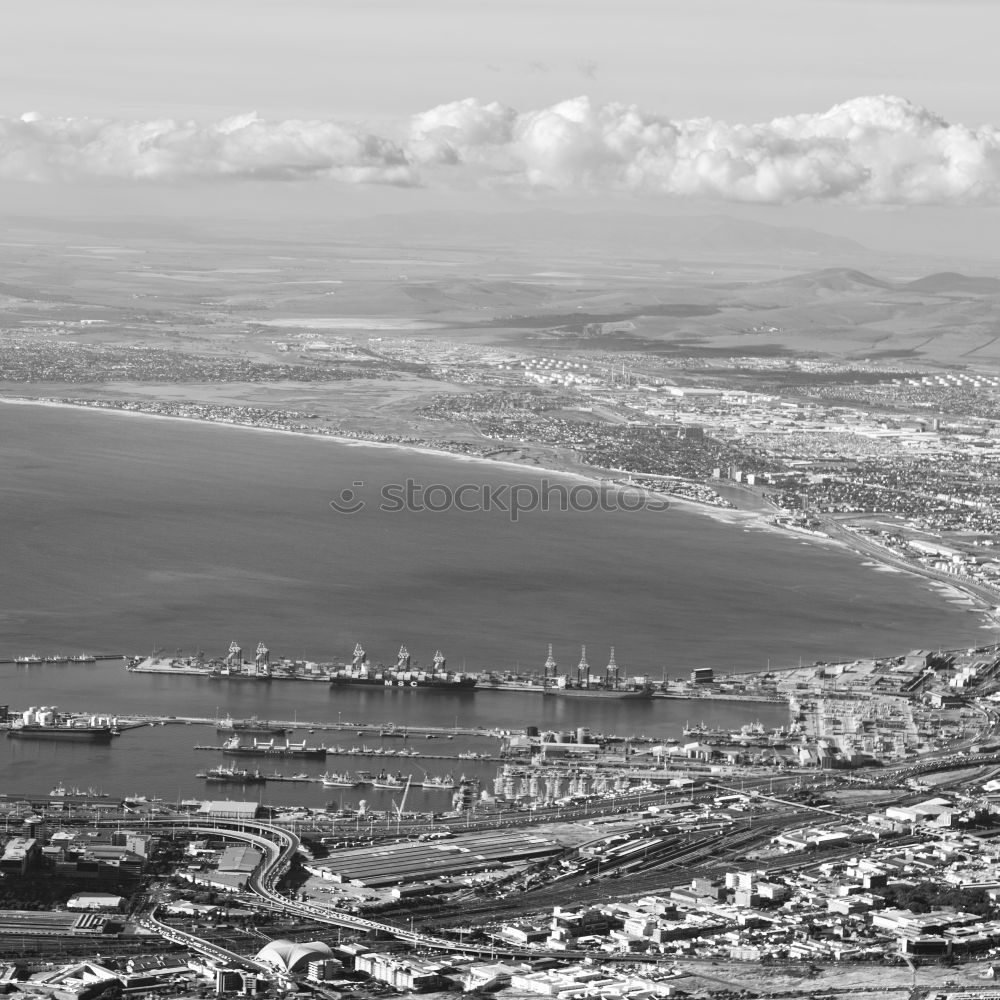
x,y
228,809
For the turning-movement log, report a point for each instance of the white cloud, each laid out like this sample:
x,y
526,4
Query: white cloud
x,y
44,149
872,150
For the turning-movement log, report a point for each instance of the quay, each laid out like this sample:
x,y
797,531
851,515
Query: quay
x,y
486,681
65,662
385,730
383,755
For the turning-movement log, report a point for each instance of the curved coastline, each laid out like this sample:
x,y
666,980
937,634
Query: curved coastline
x,y
750,520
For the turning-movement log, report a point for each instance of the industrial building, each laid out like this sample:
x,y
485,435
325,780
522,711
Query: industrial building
x,y
227,809
396,864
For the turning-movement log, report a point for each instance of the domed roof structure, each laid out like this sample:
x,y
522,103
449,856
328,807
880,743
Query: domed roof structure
x,y
292,956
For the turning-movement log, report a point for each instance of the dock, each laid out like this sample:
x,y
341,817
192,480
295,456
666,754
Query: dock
x,y
398,759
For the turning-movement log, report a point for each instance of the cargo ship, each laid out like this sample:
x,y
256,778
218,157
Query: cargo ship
x,y
249,727
268,748
47,724
611,685
511,682
359,673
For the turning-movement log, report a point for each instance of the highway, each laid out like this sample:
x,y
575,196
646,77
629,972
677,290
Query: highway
x,y
207,948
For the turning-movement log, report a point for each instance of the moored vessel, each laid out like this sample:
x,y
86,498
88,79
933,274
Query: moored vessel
x,y
250,727
269,748
335,780
444,781
385,780
47,724
233,775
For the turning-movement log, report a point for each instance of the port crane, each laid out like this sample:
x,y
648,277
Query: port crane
x,y
402,802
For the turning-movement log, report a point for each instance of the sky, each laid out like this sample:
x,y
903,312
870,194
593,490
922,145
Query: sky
x,y
859,112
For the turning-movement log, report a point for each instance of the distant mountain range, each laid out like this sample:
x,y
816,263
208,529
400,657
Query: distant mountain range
x,y
950,283
832,279
589,231
848,280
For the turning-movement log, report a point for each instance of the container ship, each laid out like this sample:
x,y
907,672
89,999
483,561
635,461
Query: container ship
x,y
511,682
268,748
584,685
249,727
47,724
359,673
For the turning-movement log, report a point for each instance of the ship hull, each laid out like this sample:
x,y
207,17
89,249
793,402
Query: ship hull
x,y
402,684
311,752
75,734
251,729
598,693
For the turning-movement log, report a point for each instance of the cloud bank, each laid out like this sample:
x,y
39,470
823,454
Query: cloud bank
x,y
868,151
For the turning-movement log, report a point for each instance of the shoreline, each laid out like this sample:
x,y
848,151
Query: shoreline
x,y
749,520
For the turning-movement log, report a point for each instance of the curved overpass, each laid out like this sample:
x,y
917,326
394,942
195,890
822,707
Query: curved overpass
x,y
207,948
279,847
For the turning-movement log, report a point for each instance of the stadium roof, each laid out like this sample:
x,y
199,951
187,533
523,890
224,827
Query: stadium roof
x,y
292,956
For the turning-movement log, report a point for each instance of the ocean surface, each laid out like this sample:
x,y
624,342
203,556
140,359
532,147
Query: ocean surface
x,y
121,534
